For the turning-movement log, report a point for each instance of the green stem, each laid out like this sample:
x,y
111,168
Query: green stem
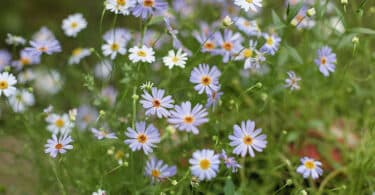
x,y
329,177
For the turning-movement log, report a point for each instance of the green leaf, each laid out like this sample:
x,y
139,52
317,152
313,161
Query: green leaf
x,y
229,187
362,30
277,21
294,54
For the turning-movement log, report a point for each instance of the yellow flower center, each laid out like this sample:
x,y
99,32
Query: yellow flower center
x,y
121,2
58,146
206,80
74,24
209,45
247,140
309,164
249,1
156,103
247,23
148,3
142,138
25,61
155,173
59,123
3,84
141,53
43,49
188,119
228,46
323,60
247,53
270,41
205,164
77,51
175,59
115,47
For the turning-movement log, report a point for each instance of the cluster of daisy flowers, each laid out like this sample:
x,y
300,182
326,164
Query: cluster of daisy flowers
x,y
235,39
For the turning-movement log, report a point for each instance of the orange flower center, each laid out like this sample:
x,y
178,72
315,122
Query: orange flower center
x,y
248,140
148,3
209,45
205,164
156,103
25,61
43,49
121,2
59,123
142,138
206,80
155,173
323,60
58,146
3,84
228,46
188,119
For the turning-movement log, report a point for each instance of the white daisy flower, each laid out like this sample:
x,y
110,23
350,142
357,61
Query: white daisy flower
x,y
112,47
245,139
59,123
310,167
175,59
21,100
120,6
103,69
143,54
254,5
7,82
15,40
99,192
48,82
78,54
74,24
204,164
60,145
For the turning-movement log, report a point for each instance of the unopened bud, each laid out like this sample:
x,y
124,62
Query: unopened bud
x,y
355,40
311,12
289,182
135,97
344,2
227,21
174,182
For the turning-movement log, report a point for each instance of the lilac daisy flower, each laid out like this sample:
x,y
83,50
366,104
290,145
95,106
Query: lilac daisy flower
x,y
206,78
251,28
310,167
292,81
204,164
5,58
246,139
205,38
230,162
326,60
47,46
156,103
103,133
26,58
271,45
142,137
158,171
213,98
146,8
86,115
229,44
58,145
186,119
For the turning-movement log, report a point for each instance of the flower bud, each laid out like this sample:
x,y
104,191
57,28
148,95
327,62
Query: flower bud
x,y
227,21
311,12
355,40
344,2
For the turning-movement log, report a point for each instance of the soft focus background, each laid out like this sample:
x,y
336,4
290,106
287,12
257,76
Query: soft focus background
x,y
330,119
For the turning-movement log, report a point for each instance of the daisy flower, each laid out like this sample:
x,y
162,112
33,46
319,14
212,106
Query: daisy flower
x,y
74,24
120,6
112,47
292,81
21,100
205,38
48,46
158,171
15,40
59,123
5,58
205,78
229,44
99,192
109,94
103,69
141,54
310,168
326,60
173,32
86,115
146,8
204,164
251,28
254,5
249,55
60,145
44,34
102,133
7,82
271,45
142,137
118,34
213,98
26,58
246,139
229,162
156,103
178,58
187,119
48,82
78,54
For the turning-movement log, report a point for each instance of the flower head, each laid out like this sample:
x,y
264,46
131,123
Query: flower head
x,y
26,58
74,24
146,8
205,78
103,133
7,82
310,167
5,58
86,115
251,28
326,60
213,98
15,40
141,54
120,6
156,103
175,59
228,45
229,162
246,139
45,46
292,81
158,171
204,164
112,47
271,45
187,119
59,123
56,145
142,137
253,5
78,54
21,100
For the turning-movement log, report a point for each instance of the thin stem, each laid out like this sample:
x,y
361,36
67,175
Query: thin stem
x,y
329,177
